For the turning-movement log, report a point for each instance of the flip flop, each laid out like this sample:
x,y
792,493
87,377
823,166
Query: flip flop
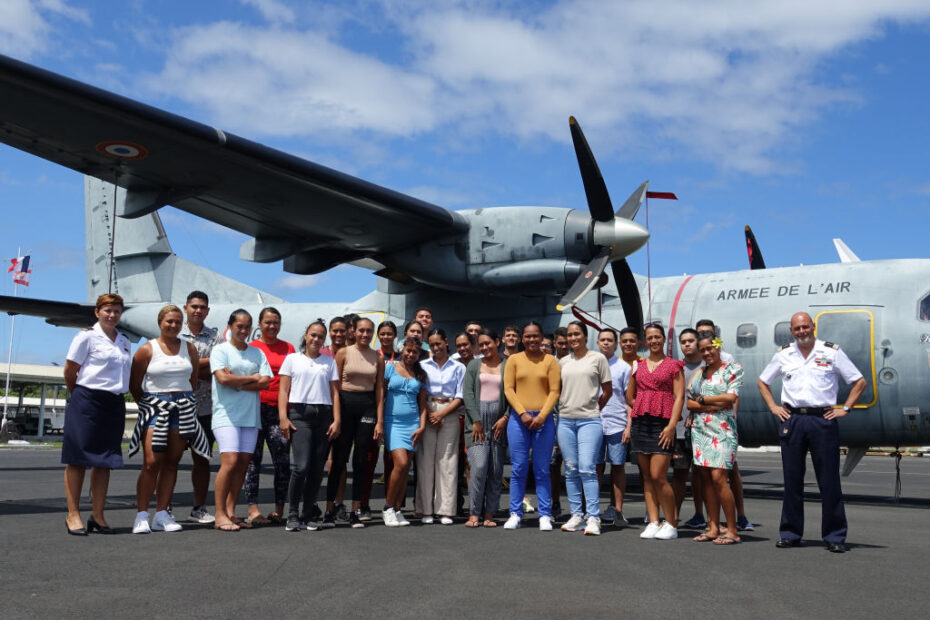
x,y
227,527
242,523
276,518
727,540
490,523
257,520
704,538
471,523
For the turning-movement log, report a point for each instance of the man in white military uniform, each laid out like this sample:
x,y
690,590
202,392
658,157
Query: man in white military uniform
x,y
808,417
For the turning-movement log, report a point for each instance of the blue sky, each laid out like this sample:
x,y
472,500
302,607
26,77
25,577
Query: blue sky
x,y
805,120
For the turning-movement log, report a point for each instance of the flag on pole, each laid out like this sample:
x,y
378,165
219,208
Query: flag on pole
x,y
20,268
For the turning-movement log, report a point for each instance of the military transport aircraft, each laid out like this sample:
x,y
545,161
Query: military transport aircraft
x,y
499,265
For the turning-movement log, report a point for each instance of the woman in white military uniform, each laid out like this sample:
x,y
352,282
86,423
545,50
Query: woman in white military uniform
x,y
97,375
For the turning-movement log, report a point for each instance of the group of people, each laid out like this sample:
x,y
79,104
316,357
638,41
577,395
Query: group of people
x,y
449,410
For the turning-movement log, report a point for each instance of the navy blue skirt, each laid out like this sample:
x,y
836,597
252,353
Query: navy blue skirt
x,y
94,424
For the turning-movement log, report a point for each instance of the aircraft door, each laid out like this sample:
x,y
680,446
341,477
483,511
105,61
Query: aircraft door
x,y
854,331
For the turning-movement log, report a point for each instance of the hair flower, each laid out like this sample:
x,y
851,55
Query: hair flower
x,y
717,342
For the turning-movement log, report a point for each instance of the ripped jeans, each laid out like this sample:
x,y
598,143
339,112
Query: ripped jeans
x,y
580,441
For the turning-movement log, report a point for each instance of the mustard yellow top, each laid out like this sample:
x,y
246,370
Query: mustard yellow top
x,y
532,385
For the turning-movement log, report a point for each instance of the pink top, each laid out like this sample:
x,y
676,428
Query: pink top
x,y
490,387
654,390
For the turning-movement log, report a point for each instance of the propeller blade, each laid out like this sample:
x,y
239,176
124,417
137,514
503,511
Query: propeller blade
x,y
586,281
752,249
634,202
595,189
629,294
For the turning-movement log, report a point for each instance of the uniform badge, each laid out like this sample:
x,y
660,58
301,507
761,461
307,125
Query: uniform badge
x,y
784,431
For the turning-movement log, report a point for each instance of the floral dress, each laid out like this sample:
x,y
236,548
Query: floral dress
x,y
713,435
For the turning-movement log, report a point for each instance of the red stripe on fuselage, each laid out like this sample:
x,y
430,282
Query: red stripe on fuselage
x,y
671,318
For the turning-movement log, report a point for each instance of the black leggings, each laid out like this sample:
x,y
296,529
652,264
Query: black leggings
x,y
359,416
310,447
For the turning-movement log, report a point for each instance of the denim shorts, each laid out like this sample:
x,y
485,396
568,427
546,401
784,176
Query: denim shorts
x,y
174,419
614,450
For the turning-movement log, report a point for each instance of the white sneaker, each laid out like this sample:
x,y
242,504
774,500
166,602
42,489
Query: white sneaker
x,y
164,522
401,520
650,531
200,515
573,524
667,531
610,514
141,526
527,506
446,520
427,520
389,517
545,523
593,528
513,522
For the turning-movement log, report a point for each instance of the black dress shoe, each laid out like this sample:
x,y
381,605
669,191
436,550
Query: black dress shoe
x,y
76,532
92,525
785,543
837,547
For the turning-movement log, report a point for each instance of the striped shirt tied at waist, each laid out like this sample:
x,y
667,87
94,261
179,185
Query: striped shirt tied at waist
x,y
151,406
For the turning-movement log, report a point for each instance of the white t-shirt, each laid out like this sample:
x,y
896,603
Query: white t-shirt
x,y
614,414
310,378
105,363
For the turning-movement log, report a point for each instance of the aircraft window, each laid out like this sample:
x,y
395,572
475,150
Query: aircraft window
x,y
746,335
783,333
925,308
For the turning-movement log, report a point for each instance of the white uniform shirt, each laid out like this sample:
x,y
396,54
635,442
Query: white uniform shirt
x,y
445,382
614,414
310,378
104,363
811,382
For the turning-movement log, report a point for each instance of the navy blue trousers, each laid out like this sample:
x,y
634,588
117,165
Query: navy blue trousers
x,y
820,437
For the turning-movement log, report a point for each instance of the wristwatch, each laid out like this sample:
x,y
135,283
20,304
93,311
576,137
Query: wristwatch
x,y
701,399
846,408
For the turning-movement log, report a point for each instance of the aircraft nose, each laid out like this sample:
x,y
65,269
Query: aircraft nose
x,y
626,236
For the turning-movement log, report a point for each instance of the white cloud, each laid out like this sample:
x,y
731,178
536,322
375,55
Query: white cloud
x,y
728,82
296,283
24,25
272,10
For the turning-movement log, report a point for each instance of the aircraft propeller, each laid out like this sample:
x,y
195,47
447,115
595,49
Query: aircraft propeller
x,y
615,233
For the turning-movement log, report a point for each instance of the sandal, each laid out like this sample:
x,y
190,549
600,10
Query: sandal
x,y
244,524
276,518
226,527
704,537
725,539
257,520
472,522
490,523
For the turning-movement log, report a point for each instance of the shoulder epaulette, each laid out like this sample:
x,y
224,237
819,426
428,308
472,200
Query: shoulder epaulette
x,y
87,329
831,345
784,346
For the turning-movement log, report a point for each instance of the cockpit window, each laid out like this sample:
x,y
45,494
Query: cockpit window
x,y
924,308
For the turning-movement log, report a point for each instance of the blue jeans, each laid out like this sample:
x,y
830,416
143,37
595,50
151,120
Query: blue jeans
x,y
580,442
522,440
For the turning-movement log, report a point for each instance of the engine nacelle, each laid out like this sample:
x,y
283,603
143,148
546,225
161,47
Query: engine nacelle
x,y
528,277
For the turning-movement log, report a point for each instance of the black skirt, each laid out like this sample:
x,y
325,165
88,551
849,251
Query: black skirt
x,y
644,435
94,424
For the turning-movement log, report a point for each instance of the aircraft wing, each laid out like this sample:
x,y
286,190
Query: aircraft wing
x,y
61,313
310,215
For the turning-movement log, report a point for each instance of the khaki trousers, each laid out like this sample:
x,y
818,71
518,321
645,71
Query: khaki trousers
x,y
437,465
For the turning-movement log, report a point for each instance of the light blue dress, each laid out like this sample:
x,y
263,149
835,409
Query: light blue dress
x,y
401,411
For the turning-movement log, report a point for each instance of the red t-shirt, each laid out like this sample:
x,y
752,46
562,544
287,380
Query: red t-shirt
x,y
275,354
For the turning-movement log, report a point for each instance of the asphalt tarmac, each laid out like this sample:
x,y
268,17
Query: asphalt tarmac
x,y
457,572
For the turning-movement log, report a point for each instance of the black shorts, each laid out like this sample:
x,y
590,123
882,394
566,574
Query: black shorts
x,y
644,435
